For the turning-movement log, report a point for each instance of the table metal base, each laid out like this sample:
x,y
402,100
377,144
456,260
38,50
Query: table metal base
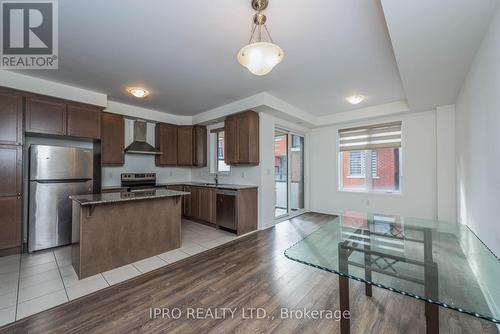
x,y
431,310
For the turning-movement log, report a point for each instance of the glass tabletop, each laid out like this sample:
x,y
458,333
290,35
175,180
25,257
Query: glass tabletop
x,y
439,262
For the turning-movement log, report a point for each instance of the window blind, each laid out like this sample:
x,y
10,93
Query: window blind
x,y
387,135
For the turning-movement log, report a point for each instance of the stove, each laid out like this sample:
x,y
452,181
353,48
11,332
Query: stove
x,y
139,181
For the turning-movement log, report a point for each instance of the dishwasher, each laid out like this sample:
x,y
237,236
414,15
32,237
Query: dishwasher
x,y
226,209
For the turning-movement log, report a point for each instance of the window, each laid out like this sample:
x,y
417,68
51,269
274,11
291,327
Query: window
x,y
217,163
357,163
376,149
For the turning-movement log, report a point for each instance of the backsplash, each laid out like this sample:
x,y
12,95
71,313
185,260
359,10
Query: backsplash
x,y
239,175
138,163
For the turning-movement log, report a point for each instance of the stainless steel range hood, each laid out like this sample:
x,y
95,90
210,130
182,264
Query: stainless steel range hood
x,y
139,145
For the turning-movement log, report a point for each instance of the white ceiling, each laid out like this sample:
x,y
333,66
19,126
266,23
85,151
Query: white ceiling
x,y
185,52
435,42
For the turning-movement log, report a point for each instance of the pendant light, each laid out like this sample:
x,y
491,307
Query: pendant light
x,y
260,56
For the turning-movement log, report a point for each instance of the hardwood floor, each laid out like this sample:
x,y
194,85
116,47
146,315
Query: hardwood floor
x,y
248,272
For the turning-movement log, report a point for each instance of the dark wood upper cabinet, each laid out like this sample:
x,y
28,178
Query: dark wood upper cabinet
x,y
230,141
185,145
200,146
241,133
45,115
181,145
112,139
166,142
11,118
58,117
84,121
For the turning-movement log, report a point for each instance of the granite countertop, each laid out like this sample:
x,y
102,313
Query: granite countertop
x,y
113,187
200,184
209,184
102,198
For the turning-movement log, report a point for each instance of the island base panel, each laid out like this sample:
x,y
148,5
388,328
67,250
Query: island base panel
x,y
112,235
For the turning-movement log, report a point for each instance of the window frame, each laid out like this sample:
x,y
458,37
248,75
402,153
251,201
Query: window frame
x,y
369,184
214,152
368,189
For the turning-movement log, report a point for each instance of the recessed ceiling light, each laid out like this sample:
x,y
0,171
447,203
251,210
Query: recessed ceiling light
x,y
138,92
355,99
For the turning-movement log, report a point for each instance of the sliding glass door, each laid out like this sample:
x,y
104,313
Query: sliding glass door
x,y
280,174
297,173
288,174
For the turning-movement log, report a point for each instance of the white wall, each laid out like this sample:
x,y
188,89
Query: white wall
x,y
418,198
445,164
45,87
478,141
150,114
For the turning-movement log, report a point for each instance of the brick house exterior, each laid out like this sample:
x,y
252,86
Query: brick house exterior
x,y
387,171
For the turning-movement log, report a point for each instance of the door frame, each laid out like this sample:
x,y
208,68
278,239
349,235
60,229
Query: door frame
x,y
289,214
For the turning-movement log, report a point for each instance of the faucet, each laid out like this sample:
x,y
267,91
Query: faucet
x,y
216,178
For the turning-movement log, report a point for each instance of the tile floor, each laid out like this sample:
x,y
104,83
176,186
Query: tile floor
x,y
31,283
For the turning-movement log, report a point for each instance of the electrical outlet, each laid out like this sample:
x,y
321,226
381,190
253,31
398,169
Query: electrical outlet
x,y
171,173
243,174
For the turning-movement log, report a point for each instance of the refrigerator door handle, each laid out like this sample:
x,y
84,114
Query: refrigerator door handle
x,y
62,181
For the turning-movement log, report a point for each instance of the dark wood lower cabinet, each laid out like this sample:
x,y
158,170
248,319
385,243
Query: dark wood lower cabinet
x,y
207,204
201,205
186,202
195,203
10,222
246,210
10,197
10,170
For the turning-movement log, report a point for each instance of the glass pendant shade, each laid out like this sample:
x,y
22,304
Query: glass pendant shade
x,y
260,57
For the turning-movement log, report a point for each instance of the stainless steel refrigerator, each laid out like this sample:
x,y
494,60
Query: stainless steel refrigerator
x,y
55,173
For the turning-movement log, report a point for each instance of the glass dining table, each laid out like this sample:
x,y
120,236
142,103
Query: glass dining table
x,y
441,263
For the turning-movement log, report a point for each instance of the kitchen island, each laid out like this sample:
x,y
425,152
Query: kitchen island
x,y
110,230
